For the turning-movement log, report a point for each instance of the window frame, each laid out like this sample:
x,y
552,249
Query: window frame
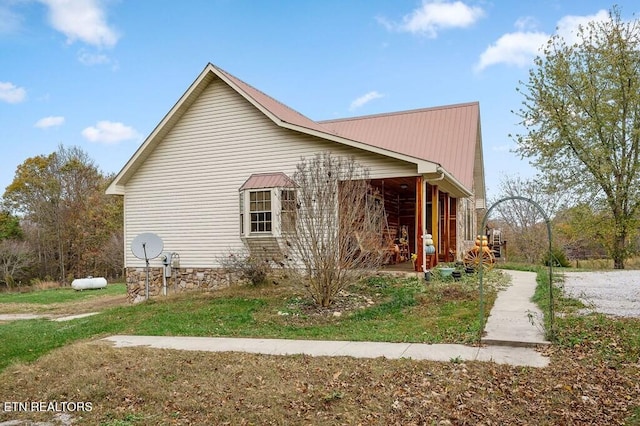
x,y
260,211
288,206
261,208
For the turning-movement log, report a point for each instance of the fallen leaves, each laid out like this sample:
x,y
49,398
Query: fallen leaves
x,y
593,378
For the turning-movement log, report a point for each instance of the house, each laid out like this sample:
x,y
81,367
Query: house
x,y
210,175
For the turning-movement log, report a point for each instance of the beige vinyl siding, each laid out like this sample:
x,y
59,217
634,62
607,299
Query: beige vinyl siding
x,y
187,189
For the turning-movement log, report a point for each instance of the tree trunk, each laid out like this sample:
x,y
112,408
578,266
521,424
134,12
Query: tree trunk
x,y
619,250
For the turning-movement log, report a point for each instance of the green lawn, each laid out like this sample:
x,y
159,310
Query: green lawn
x,y
592,378
401,310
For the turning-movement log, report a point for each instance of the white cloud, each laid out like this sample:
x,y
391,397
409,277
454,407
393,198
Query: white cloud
x,y
526,23
517,49
51,121
11,93
435,15
366,98
567,27
88,58
109,132
82,20
521,47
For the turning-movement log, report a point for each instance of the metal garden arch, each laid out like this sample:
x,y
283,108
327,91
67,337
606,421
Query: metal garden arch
x,y
480,270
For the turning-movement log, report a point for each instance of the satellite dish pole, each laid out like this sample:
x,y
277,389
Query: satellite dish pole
x,y
146,280
147,246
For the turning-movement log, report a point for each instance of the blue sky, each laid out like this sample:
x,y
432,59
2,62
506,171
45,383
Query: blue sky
x,y
102,74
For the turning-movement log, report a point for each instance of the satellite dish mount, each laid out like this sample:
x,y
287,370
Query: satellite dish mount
x,y
147,246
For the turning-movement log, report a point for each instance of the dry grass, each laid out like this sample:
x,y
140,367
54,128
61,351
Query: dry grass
x,y
158,387
67,308
47,285
604,264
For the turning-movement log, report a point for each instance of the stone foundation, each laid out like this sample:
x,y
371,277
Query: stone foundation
x,y
182,279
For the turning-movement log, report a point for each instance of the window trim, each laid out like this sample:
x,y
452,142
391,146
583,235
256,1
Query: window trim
x,y
261,215
287,207
262,210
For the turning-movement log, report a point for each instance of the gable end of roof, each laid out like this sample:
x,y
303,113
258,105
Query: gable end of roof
x,y
404,137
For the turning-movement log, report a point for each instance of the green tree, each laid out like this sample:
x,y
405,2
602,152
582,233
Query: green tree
x,y
584,232
69,221
34,195
9,226
581,111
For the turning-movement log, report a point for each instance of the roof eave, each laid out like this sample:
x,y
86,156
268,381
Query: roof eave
x,y
448,183
324,135
479,181
115,189
423,166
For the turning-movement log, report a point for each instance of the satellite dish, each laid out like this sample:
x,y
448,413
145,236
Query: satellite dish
x,y
147,246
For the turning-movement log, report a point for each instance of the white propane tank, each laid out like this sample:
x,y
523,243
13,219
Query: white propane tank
x,y
88,283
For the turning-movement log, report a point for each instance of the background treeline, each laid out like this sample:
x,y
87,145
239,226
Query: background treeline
x,y
57,223
581,229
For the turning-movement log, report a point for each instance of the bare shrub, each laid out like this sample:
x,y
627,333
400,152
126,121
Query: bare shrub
x,y
16,258
251,268
335,230
46,284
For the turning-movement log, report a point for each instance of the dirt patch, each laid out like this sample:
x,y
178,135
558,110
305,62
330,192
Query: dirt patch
x,y
344,303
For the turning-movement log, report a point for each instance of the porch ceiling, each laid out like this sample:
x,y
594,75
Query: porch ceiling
x,y
398,184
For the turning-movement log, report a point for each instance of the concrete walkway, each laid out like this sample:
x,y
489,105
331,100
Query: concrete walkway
x,y
417,351
514,319
509,338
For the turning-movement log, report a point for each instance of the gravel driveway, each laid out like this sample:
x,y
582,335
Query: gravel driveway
x,y
612,292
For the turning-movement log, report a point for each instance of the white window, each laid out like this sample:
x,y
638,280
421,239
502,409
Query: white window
x,y
288,210
241,213
468,219
267,205
260,211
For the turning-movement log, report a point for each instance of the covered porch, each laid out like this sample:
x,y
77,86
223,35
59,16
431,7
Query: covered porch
x,y
414,207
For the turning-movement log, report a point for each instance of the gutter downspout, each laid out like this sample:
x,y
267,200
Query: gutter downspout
x,y
442,175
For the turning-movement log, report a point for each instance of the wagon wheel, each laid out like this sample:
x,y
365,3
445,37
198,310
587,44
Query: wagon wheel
x,y
475,257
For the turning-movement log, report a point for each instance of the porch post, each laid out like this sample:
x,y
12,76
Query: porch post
x,y
435,215
446,227
419,222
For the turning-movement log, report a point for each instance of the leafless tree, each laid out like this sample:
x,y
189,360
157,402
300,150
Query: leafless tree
x,y
526,230
15,260
333,223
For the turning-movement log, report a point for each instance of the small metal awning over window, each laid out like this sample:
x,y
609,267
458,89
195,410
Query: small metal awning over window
x,y
268,180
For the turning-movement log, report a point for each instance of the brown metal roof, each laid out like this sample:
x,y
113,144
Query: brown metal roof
x,y
273,106
268,180
445,135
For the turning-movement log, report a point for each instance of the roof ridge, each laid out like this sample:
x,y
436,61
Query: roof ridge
x,y
392,113
228,74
